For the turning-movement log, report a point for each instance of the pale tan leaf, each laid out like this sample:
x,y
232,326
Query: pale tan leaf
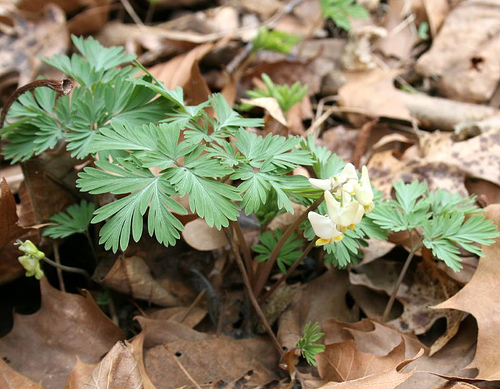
x,y
199,235
11,379
270,105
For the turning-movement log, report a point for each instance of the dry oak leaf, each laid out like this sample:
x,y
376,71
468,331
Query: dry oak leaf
x,y
270,105
200,236
389,379
480,298
45,346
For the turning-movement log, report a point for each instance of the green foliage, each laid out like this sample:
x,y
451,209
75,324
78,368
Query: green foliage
x,y
307,344
75,220
286,96
274,40
423,31
290,252
340,11
133,126
446,222
106,94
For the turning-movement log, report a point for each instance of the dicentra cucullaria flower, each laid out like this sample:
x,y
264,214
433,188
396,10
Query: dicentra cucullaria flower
x,y
31,259
347,200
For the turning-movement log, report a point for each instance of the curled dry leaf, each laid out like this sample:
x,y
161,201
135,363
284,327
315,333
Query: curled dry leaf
x,y
270,105
389,379
188,316
200,236
480,298
45,346
131,275
471,73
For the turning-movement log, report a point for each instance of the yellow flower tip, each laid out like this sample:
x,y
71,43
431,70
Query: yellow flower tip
x,y
343,228
352,226
338,238
322,242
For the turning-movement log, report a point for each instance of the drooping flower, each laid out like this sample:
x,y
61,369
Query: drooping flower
x,y
344,215
364,192
31,259
324,228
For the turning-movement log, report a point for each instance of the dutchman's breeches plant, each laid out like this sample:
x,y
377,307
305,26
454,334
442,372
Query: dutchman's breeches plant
x,y
145,148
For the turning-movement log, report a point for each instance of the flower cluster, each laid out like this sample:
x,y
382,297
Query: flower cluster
x,y
347,200
31,259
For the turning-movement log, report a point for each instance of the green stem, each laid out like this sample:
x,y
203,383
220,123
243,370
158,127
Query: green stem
x,y
247,256
67,268
55,246
289,271
414,249
263,276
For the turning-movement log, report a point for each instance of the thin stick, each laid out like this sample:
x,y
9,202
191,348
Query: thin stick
x,y
247,256
266,271
251,295
67,268
193,304
130,10
63,87
389,305
55,246
288,273
176,360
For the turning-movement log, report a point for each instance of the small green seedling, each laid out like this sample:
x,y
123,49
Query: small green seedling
x,y
274,40
307,344
340,11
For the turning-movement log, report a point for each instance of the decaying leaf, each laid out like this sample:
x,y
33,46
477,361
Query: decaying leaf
x,y
389,379
480,298
132,276
270,105
9,232
45,346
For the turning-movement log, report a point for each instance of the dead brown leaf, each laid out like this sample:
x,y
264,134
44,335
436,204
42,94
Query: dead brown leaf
x,y
189,316
206,357
270,105
201,237
10,231
321,299
389,379
21,51
480,298
44,346
9,378
437,11
131,275
471,72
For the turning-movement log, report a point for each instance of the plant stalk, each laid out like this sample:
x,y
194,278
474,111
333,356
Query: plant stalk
x,y
390,303
288,273
247,256
67,268
254,301
263,275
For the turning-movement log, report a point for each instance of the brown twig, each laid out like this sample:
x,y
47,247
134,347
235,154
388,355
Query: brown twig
x,y
251,295
247,256
266,271
63,87
288,273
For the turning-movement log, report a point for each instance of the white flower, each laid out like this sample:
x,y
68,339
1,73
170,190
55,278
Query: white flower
x,y
364,192
346,216
336,182
324,228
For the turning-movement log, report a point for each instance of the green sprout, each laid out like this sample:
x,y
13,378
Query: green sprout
x,y
307,344
339,11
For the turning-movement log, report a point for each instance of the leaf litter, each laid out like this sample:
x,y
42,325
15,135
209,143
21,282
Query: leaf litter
x,y
443,332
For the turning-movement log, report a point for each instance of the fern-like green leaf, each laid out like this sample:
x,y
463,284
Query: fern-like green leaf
x,y
75,220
